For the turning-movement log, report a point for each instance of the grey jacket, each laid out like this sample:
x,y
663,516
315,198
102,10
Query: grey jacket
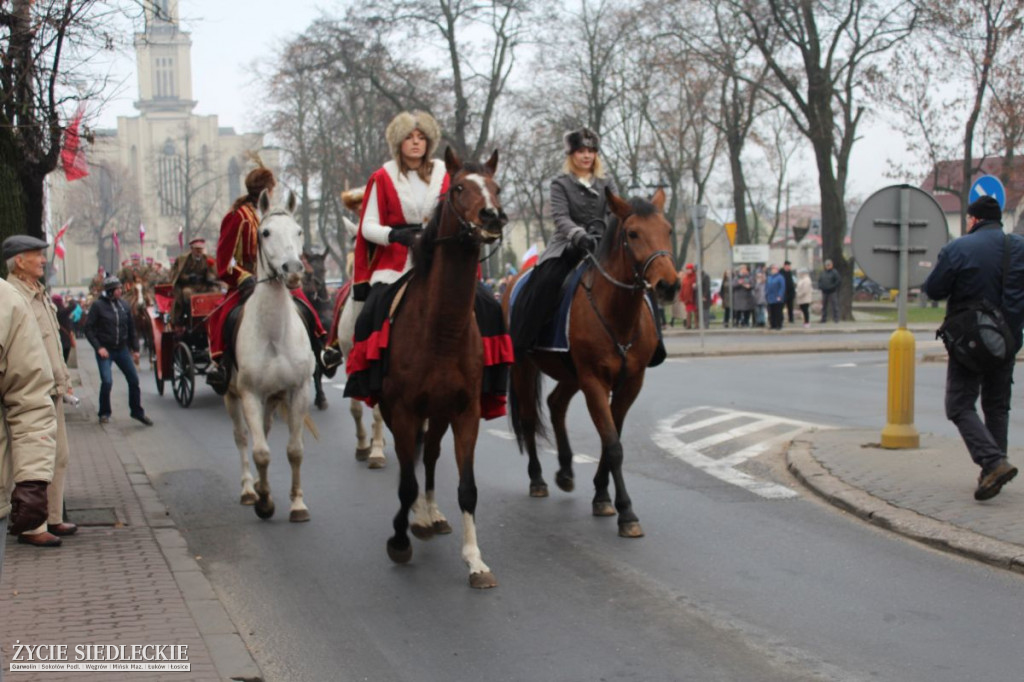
x,y
573,207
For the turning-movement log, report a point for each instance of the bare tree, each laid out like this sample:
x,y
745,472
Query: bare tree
x,y
819,54
105,202
187,184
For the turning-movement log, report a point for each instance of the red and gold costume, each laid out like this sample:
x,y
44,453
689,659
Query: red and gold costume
x,y
237,252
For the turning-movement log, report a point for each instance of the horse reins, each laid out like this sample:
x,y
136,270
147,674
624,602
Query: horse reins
x,y
466,227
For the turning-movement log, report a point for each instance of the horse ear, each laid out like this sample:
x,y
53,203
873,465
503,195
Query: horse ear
x,y
264,201
659,200
620,208
292,201
451,161
492,163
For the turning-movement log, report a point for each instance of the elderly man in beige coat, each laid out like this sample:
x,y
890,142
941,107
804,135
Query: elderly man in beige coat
x,y
26,263
27,446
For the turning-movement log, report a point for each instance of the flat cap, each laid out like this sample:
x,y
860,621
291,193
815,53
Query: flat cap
x,y
20,243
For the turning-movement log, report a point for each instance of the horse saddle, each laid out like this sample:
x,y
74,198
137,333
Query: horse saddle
x,y
554,335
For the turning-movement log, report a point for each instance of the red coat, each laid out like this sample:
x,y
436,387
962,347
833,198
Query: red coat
x,y
238,242
370,257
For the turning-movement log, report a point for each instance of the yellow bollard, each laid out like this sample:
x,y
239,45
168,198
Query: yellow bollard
x,y
899,431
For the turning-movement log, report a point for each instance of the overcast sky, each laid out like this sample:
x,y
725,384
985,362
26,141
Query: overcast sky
x,y
228,35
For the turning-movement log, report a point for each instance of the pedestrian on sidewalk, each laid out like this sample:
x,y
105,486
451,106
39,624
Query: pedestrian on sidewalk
x,y
787,275
760,301
26,265
27,445
775,294
111,332
828,282
970,269
804,295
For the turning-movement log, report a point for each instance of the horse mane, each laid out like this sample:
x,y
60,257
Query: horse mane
x,y
423,248
641,208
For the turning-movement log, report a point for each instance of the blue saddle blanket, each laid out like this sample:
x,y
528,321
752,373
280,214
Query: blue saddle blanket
x,y
554,336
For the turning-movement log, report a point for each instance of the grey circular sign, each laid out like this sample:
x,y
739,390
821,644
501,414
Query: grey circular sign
x,y
876,235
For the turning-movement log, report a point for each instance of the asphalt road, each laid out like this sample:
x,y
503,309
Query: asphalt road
x,y
730,582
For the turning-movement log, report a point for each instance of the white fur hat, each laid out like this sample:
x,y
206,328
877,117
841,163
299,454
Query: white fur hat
x,y
405,123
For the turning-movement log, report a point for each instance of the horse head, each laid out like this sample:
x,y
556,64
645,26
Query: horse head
x,y
280,242
473,196
644,238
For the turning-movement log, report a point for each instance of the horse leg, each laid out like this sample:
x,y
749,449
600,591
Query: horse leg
x,y
257,422
526,383
558,405
465,430
408,439
611,459
298,408
234,407
427,517
318,383
376,460
355,407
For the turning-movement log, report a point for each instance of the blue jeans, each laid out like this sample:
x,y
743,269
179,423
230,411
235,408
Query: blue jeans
x,y
123,358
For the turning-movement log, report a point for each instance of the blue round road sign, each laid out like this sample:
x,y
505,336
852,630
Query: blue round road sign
x,y
988,186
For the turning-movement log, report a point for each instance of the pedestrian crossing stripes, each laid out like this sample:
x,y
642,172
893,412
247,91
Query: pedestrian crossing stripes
x,y
717,440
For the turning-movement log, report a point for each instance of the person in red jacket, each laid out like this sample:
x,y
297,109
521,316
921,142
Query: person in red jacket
x,y
237,252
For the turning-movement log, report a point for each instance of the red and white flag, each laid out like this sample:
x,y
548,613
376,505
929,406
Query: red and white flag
x,y
142,234
58,242
181,237
117,244
529,258
72,155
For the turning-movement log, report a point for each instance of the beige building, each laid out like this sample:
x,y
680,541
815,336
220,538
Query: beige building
x,y
167,169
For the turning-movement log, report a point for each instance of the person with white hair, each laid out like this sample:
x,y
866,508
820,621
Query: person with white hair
x,y
804,294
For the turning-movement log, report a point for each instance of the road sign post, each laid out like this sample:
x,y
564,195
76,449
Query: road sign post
x,y
700,214
875,242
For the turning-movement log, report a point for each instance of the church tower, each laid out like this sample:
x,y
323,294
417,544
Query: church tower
x,y
164,62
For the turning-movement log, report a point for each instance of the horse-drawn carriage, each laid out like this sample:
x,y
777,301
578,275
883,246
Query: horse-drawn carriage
x,y
180,347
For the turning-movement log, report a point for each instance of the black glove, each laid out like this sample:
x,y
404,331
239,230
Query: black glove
x,y
583,241
245,287
404,236
28,506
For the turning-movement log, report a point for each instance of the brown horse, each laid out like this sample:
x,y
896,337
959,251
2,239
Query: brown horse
x,y
437,362
612,340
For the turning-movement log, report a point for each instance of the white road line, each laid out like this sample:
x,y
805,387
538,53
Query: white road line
x,y
667,437
845,364
502,433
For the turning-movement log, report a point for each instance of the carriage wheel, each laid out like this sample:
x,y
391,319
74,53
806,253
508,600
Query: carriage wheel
x,y
183,377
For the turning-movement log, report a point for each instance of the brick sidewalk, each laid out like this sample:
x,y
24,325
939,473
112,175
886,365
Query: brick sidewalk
x,y
127,580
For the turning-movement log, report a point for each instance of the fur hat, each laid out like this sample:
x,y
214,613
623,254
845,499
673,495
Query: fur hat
x,y
985,208
258,180
353,199
405,123
578,139
111,283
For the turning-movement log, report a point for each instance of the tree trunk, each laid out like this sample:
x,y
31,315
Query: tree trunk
x,y
12,208
34,201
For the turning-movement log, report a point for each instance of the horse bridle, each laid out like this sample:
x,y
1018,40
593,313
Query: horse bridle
x,y
274,274
639,273
467,229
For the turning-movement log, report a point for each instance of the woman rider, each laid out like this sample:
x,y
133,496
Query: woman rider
x,y
237,252
579,210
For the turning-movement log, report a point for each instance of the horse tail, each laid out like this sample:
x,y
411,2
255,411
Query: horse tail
x,y
534,381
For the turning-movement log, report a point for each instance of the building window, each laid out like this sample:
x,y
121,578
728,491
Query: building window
x,y
172,191
164,78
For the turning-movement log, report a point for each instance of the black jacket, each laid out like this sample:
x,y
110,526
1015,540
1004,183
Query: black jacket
x,y
110,325
970,268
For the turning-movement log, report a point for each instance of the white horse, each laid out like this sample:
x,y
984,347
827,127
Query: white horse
x,y
369,450
274,360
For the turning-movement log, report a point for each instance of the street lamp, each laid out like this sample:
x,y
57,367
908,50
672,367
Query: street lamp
x,y
700,214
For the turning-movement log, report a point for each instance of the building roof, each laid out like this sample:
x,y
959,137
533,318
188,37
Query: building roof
x,y
946,174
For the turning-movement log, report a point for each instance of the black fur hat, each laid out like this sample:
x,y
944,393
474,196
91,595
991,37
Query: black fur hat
x,y
578,139
985,208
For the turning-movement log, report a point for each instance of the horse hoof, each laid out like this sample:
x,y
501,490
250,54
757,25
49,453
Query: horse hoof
x,y
376,462
603,509
482,581
399,556
264,508
631,529
299,515
248,499
538,490
442,528
362,454
422,532
320,402
565,483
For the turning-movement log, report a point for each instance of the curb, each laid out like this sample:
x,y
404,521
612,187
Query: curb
x,y
230,656
936,534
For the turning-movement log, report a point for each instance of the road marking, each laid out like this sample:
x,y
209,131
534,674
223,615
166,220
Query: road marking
x,y
502,433
697,453
845,364
577,457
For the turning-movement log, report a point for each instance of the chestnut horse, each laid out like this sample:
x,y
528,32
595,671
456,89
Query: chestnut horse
x,y
612,339
437,358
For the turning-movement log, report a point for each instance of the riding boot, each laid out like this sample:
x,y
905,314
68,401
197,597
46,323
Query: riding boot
x,y
218,374
330,360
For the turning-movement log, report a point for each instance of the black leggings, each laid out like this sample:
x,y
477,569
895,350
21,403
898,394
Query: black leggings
x,y
805,308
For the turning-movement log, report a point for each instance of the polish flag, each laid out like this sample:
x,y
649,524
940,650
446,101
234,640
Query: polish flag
x,y
142,233
72,154
58,242
181,237
529,258
117,245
